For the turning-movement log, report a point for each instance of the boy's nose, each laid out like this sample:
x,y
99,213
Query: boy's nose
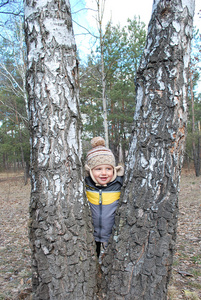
x,y
103,171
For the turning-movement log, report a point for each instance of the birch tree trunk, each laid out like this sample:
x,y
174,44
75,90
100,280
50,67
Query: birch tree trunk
x,y
138,264
63,259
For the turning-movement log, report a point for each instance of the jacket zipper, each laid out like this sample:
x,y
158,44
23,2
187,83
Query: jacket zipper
x,y
100,217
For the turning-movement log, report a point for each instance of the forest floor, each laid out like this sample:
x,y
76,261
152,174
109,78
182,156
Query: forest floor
x,y
15,266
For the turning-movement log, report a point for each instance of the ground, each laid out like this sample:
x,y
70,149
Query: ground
x,y
15,267
186,275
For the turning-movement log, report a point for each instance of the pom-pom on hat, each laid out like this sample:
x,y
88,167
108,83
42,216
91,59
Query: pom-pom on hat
x,y
99,154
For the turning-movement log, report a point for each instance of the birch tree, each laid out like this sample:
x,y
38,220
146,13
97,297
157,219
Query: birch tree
x,y
139,258
63,258
143,243
14,80
100,13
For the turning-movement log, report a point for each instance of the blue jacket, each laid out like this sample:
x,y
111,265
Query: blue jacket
x,y
103,201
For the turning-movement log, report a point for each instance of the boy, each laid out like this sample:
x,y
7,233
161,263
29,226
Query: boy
x,y
103,184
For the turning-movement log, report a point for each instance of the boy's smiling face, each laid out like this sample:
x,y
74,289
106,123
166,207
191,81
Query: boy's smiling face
x,y
103,173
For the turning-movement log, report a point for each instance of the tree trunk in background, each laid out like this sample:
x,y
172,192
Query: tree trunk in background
x,y
100,11
139,259
196,151
63,259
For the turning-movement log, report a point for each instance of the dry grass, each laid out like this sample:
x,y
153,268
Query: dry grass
x,y
15,269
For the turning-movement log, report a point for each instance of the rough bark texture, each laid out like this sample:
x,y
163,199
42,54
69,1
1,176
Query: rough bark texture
x,y
63,259
142,246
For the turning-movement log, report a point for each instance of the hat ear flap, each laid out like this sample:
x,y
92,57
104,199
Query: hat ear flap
x,y
114,175
87,170
119,170
93,178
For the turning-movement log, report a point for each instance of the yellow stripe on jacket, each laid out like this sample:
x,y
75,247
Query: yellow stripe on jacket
x,y
107,197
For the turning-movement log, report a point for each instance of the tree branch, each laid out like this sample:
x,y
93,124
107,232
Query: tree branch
x,y
15,111
85,29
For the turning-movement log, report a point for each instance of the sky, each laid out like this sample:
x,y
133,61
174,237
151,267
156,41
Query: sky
x,y
117,11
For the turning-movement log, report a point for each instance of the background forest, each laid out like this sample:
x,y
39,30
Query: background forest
x,y
107,77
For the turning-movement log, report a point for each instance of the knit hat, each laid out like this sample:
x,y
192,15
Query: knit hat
x,y
100,155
